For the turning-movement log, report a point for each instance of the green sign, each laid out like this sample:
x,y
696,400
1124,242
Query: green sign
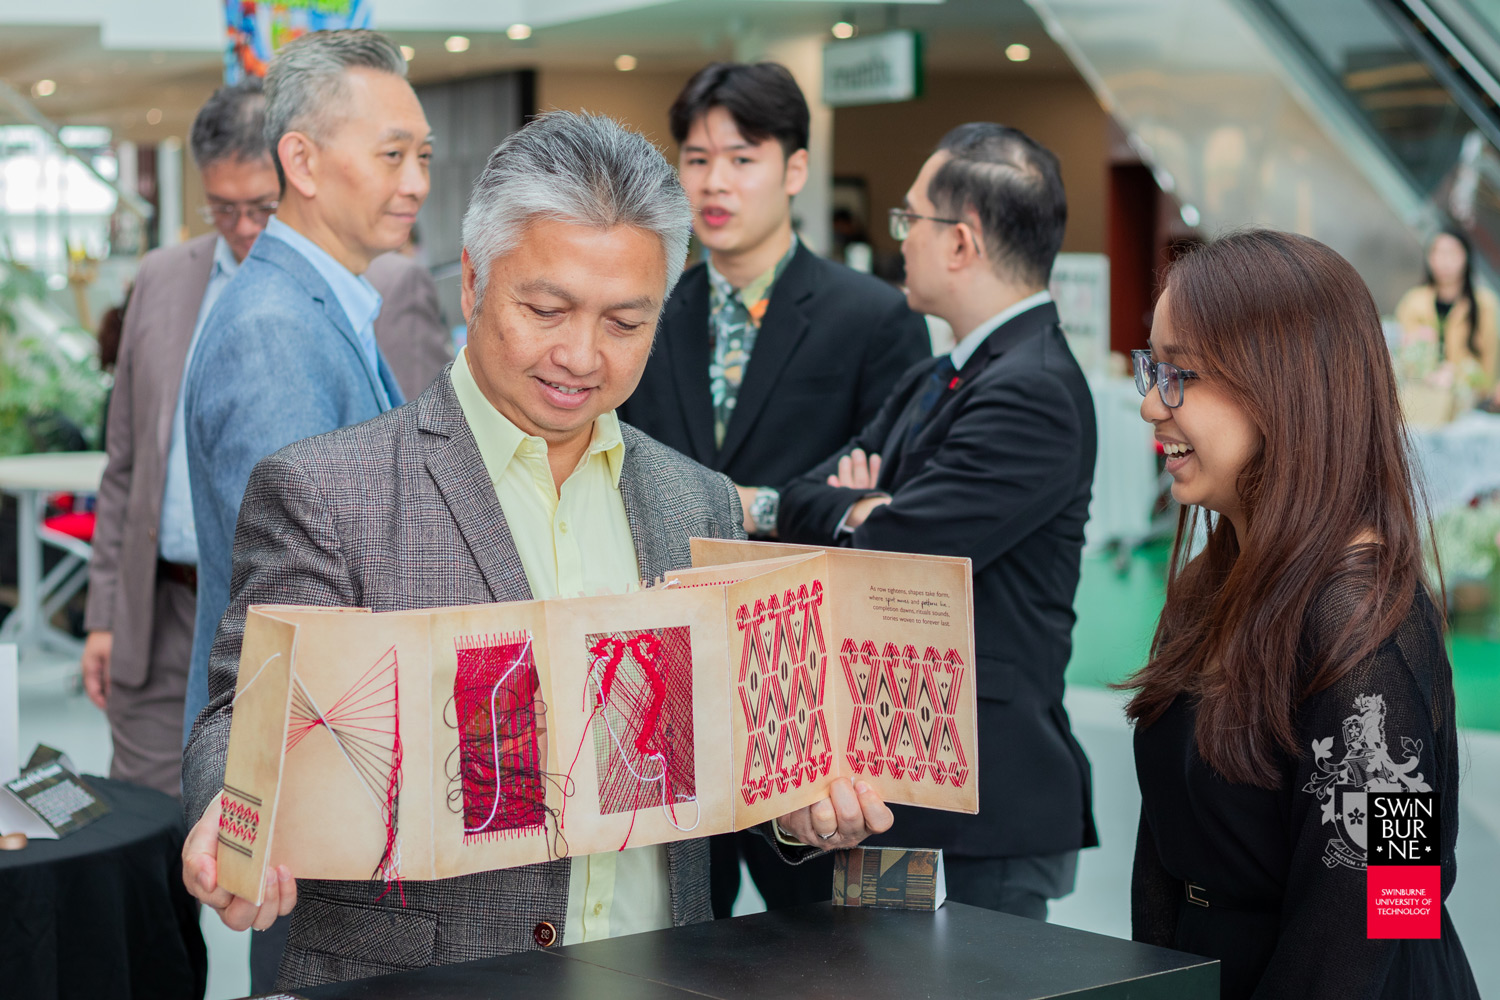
x,y
880,69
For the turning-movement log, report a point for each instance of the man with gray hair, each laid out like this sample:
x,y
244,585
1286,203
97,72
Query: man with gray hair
x,y
510,478
143,568
289,351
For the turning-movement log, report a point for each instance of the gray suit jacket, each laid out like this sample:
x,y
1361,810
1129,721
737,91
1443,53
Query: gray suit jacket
x,y
159,322
413,338
399,513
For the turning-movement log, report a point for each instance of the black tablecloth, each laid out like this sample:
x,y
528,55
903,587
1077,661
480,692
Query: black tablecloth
x,y
102,912
821,951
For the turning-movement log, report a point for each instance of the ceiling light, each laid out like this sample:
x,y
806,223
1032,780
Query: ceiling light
x,y
456,43
518,32
44,88
1018,52
843,29
153,117
626,63
1190,215
408,53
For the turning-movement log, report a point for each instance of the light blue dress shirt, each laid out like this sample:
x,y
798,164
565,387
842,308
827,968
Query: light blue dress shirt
x,y
177,537
359,299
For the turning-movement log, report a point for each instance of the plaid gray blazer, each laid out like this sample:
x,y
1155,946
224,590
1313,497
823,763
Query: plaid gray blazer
x,y
399,513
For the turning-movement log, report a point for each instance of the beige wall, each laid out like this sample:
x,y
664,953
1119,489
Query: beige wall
x,y
638,99
886,144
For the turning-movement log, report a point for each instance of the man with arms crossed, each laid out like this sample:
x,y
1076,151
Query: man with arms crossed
x,y
510,478
143,573
988,453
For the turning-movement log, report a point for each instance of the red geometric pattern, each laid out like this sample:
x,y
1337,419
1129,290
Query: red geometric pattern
x,y
495,694
239,820
641,684
781,682
905,712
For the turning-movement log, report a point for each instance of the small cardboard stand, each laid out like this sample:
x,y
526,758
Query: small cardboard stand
x,y
437,743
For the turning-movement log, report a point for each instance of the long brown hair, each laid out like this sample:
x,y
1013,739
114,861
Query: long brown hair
x,y
1285,327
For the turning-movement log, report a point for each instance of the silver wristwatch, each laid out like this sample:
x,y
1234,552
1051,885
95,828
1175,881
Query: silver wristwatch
x,y
763,510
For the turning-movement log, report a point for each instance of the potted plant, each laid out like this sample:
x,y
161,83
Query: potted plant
x,y
52,392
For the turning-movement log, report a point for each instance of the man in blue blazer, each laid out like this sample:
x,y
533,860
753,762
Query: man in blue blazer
x,y
289,350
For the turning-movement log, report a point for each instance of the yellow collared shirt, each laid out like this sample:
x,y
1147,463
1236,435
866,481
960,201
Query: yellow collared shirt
x,y
573,541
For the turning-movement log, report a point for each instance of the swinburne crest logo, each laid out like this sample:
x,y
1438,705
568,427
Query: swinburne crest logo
x,y
1384,819
1366,767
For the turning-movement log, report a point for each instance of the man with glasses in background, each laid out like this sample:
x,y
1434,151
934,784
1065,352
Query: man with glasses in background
x,y
143,572
987,452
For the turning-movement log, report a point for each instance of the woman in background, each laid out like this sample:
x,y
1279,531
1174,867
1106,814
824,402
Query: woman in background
x,y
1464,318
1299,664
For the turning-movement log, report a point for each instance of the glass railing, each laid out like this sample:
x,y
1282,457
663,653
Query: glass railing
x,y
1436,128
1482,15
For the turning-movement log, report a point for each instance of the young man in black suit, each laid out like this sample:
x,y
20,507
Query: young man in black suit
x,y
767,357
988,453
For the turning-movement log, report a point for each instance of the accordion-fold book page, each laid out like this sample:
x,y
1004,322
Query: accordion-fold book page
x,y
430,744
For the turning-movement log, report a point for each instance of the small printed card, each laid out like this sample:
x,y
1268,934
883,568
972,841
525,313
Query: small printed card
x,y
891,877
48,800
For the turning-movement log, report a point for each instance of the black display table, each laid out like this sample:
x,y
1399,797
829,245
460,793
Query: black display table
x,y
103,912
822,951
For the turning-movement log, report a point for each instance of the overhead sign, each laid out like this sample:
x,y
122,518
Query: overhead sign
x,y
880,69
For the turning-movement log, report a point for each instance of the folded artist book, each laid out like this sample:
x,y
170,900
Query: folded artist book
x,y
436,743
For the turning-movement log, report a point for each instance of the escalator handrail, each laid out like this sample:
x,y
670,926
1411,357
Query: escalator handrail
x,y
1478,74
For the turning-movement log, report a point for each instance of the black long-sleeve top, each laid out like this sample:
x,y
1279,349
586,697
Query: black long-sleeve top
x,y
1282,873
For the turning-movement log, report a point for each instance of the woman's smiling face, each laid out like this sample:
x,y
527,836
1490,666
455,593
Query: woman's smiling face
x,y
1209,439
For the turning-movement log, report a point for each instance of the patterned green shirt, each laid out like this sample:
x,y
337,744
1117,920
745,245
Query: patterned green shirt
x,y
734,319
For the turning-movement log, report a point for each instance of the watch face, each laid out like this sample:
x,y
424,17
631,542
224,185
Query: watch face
x,y
763,509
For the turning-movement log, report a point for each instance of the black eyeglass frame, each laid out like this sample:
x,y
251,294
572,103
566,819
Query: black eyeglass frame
x,y
899,221
1150,372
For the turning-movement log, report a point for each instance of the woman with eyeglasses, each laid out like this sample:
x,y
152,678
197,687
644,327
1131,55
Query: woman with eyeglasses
x,y
1298,674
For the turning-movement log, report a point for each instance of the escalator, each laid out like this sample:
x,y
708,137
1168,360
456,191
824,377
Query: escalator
x,y
1364,123
1419,76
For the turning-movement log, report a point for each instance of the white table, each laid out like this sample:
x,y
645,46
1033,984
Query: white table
x,y
1459,461
31,479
